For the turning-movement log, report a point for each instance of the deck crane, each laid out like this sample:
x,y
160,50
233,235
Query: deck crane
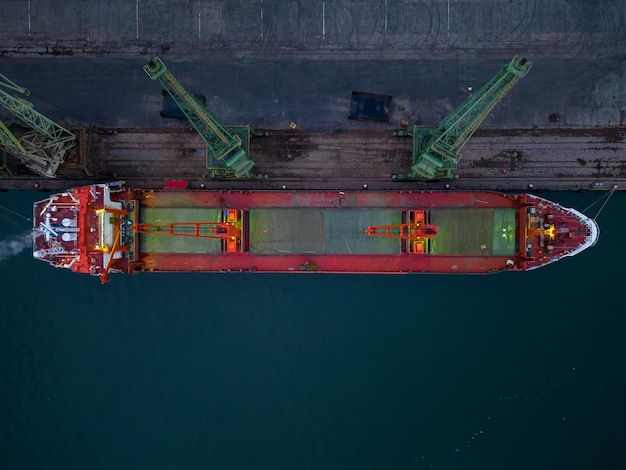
x,y
226,156
42,148
437,151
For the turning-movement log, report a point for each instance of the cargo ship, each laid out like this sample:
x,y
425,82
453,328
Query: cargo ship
x,y
108,228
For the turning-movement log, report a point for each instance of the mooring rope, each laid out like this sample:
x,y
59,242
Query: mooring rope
x,y
8,209
596,201
607,200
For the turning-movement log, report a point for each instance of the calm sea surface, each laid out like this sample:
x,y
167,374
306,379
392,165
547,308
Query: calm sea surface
x,y
505,371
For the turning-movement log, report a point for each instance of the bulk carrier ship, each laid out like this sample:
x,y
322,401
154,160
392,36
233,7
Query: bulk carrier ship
x,y
108,228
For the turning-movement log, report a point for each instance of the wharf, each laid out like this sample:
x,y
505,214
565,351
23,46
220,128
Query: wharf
x,y
280,61
515,160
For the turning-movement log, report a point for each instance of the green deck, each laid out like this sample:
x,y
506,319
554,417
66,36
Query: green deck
x,y
320,231
170,244
488,232
462,231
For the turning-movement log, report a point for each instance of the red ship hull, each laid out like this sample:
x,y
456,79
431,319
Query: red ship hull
x,y
109,228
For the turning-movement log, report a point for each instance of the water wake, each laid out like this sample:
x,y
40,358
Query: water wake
x,y
15,245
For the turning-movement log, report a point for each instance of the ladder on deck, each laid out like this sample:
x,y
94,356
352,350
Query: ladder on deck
x,y
403,231
191,229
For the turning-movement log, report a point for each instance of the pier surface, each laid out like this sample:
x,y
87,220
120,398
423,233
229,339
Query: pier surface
x,y
277,62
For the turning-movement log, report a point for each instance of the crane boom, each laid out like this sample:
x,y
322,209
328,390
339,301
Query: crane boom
x,y
43,148
224,147
436,152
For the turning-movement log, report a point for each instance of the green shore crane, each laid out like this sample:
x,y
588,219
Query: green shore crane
x,y
43,146
436,152
227,155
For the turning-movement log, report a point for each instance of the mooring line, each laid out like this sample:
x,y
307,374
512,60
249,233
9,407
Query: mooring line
x,y
607,200
8,209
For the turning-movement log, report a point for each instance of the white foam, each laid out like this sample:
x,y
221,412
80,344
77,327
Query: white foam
x,y
14,245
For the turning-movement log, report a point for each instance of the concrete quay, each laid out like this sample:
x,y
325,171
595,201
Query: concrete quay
x,y
272,62
515,160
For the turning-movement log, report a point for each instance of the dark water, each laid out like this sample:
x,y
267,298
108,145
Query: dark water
x,y
507,371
